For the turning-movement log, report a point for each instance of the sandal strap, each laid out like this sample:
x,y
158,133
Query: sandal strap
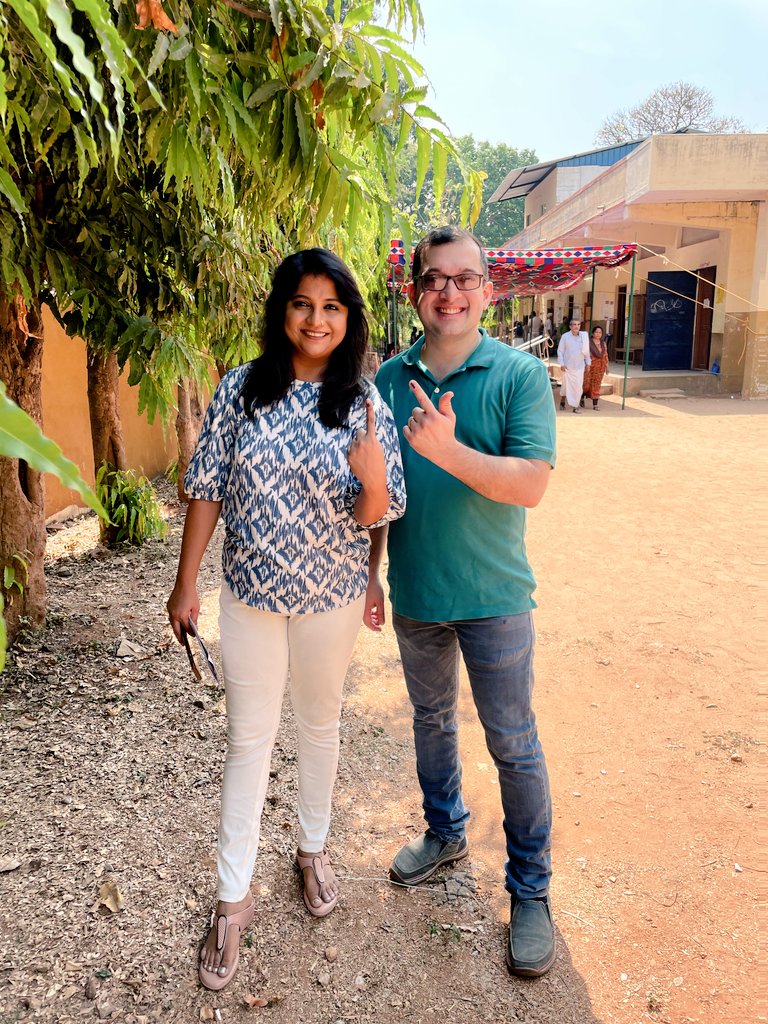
x,y
240,920
316,861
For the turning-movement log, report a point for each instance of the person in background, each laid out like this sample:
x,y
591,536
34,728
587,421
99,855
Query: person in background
x,y
563,328
536,325
596,369
478,429
572,355
300,456
549,332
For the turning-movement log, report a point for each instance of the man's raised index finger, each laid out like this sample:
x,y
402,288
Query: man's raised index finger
x,y
421,396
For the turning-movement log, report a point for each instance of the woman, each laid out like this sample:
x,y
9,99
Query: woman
x,y
300,456
572,355
594,373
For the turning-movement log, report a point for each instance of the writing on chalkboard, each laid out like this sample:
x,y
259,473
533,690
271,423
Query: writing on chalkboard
x,y
666,305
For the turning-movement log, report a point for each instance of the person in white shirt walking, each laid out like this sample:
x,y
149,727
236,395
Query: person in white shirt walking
x,y
573,355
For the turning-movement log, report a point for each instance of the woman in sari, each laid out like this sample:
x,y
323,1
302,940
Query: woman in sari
x,y
596,370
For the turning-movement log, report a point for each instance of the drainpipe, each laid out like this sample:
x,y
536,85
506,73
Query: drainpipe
x,y
628,335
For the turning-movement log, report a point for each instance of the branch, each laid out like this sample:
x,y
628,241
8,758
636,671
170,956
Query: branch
x,y
245,8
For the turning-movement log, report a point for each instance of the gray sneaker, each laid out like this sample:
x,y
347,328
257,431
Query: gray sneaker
x,y
420,859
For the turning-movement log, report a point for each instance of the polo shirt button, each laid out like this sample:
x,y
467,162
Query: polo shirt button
x,y
436,391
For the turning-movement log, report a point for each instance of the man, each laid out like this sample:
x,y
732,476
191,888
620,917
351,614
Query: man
x,y
572,355
535,326
478,444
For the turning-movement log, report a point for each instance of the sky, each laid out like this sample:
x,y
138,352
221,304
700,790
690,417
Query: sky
x,y
545,75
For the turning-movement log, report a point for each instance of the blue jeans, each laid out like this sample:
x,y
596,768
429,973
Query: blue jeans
x,y
498,653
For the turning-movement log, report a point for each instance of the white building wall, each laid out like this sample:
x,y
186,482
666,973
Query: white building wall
x,y
557,187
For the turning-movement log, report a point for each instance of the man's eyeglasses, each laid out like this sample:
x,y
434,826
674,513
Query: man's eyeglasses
x,y
437,282
192,628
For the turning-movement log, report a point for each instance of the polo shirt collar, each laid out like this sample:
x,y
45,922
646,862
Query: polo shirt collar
x,y
481,355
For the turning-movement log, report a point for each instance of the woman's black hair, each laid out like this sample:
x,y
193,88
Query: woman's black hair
x,y
271,373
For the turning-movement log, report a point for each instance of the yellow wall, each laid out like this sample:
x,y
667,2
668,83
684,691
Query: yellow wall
x,y
65,417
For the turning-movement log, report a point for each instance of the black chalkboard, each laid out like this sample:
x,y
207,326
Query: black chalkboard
x,y
669,314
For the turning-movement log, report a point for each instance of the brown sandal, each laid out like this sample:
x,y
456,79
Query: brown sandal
x,y
317,861
241,920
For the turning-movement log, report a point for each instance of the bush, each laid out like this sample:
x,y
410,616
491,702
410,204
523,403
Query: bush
x,y
132,507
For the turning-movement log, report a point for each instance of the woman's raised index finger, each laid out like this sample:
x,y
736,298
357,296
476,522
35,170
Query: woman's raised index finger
x,y
421,396
370,417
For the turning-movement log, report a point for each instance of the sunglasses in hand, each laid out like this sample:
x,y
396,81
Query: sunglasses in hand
x,y
207,659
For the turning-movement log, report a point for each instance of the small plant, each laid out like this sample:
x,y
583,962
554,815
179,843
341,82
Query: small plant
x,y
172,472
13,584
132,507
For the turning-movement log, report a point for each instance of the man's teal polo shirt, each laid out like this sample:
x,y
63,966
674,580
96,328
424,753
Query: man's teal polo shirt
x,y
455,554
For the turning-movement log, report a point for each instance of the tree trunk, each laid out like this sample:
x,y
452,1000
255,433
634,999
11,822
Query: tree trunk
x,y
22,508
104,410
189,421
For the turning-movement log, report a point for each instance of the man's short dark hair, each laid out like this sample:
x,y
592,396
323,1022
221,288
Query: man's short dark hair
x,y
443,236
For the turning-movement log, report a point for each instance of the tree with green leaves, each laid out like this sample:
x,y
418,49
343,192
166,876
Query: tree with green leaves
x,y
153,173
496,222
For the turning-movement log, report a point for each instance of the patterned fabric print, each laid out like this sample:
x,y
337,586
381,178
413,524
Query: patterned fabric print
x,y
292,542
593,376
527,271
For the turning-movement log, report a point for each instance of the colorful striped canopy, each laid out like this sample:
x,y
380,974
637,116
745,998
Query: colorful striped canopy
x,y
528,271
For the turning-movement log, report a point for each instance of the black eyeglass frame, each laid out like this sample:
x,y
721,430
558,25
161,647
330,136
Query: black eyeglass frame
x,y
451,277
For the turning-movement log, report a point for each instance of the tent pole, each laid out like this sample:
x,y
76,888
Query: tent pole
x,y
592,303
628,335
392,300
394,320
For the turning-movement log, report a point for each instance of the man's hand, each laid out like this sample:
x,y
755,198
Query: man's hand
x,y
431,431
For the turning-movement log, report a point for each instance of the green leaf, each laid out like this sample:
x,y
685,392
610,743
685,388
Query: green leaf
x,y
423,149
61,17
276,14
290,135
406,123
356,15
439,168
424,111
328,196
315,69
340,203
21,438
10,191
180,48
3,634
160,52
264,93
301,124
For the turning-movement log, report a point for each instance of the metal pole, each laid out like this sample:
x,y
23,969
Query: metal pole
x,y
592,303
391,332
628,332
394,316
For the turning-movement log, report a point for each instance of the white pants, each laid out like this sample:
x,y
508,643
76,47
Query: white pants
x,y
258,650
573,384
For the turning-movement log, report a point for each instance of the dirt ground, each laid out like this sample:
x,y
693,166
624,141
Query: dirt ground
x,y
650,555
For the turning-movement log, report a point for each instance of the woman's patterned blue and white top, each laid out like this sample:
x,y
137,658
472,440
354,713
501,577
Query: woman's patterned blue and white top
x,y
292,542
